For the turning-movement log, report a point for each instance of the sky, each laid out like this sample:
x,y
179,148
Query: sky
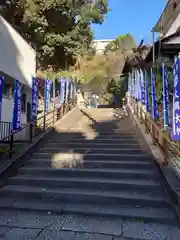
x,y
130,16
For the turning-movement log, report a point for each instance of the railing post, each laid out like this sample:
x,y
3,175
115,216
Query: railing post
x,y
141,115
145,122
44,123
31,131
53,116
11,145
153,134
165,150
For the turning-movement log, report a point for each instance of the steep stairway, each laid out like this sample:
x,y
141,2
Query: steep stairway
x,y
95,167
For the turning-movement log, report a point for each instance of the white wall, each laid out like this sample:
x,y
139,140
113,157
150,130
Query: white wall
x,y
100,45
174,27
17,58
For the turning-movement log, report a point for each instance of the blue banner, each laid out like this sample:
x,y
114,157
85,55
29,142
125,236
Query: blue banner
x,y
1,93
155,112
47,95
147,94
62,90
133,84
71,90
35,88
74,90
176,102
67,91
165,96
16,121
138,85
129,83
142,87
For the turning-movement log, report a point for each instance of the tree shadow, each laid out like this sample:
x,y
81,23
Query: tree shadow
x,y
74,149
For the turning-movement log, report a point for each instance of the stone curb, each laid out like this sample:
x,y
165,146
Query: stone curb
x,y
8,171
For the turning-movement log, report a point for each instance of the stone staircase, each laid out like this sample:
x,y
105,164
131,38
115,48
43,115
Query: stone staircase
x,y
95,167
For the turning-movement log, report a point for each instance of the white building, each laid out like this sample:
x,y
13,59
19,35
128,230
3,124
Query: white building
x,y
101,44
17,61
169,21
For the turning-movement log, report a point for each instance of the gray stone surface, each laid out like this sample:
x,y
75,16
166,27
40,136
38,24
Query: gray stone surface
x,y
33,220
21,234
69,235
139,230
3,231
93,225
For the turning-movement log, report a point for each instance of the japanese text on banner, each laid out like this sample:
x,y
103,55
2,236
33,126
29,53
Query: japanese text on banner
x,y
16,123
67,90
147,95
176,102
47,95
142,87
62,90
35,87
165,96
155,112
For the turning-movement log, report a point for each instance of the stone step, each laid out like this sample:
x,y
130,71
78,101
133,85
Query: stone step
x,y
104,136
96,183
95,173
99,156
95,141
91,145
86,150
78,195
147,214
78,162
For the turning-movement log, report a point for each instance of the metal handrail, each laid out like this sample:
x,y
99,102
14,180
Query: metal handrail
x,y
33,127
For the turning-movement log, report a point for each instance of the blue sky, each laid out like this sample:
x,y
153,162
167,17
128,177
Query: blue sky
x,y
134,16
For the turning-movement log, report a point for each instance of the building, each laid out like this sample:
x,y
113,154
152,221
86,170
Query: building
x,y
100,45
167,45
17,61
169,21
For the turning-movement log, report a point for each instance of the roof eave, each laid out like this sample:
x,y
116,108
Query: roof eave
x,y
157,27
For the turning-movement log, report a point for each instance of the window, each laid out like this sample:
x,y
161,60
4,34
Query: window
x,y
6,89
23,102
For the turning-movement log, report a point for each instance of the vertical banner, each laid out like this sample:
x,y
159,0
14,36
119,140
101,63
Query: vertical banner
x,y
54,92
47,95
142,87
147,100
155,112
129,83
16,121
136,83
133,84
138,87
74,91
176,102
71,89
1,93
35,88
165,96
62,89
67,91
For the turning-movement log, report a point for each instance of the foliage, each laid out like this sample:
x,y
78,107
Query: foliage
x,y
48,74
123,42
59,30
